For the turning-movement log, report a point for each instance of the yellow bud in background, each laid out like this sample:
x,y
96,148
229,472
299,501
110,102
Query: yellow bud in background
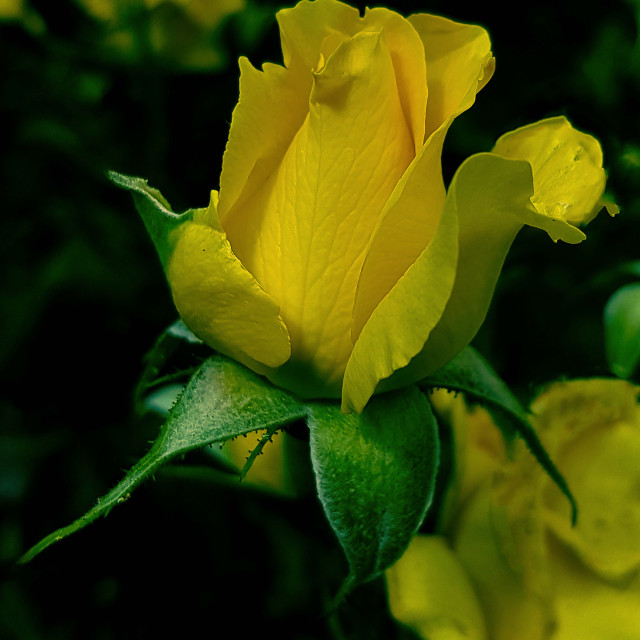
x,y
508,526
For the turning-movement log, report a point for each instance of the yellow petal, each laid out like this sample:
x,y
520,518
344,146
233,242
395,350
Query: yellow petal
x,y
511,609
489,194
274,102
303,232
485,196
430,592
479,450
272,106
402,322
566,409
568,177
459,64
592,609
407,225
219,300
602,469
596,424
495,202
408,57
312,28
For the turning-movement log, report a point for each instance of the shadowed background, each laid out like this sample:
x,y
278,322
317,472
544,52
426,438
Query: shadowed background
x,y
84,90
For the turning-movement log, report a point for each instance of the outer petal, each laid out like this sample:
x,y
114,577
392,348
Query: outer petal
x,y
430,592
401,323
487,196
496,203
407,225
459,64
303,233
569,180
274,103
490,195
459,61
220,300
272,106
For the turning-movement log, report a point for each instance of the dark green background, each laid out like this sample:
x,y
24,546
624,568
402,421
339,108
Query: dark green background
x,y
83,298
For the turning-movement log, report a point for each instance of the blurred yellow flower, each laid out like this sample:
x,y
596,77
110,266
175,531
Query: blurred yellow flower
x,y
180,32
334,261
508,531
11,9
207,13
279,468
22,12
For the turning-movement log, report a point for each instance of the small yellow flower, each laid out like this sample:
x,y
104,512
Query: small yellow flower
x,y
334,261
533,575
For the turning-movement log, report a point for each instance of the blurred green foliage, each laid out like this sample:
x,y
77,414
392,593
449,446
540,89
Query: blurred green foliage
x,y
83,299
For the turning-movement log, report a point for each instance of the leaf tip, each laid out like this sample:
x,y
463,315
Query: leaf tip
x,y
38,548
347,587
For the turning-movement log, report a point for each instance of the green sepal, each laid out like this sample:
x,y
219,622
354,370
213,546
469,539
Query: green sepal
x,y
222,400
470,374
622,330
375,475
156,359
257,450
156,213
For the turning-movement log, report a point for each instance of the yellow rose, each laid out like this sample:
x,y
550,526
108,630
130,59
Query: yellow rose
x,y
518,568
333,260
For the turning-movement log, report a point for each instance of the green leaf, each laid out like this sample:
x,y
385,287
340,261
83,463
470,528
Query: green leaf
x,y
155,211
222,400
622,330
469,373
375,475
